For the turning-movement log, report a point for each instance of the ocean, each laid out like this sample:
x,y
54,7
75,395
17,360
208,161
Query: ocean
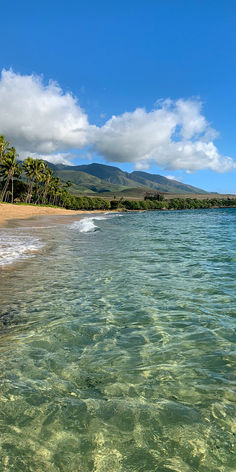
x,y
117,343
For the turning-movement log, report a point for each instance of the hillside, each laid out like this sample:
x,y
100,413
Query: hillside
x,y
159,182
105,180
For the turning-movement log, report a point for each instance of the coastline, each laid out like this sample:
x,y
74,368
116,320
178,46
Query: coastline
x,y
9,211
15,247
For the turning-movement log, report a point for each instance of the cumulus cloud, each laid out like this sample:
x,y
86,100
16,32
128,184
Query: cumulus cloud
x,y
175,136
42,119
56,158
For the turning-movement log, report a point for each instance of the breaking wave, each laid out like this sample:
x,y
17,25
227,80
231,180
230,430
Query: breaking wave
x,y
14,247
87,225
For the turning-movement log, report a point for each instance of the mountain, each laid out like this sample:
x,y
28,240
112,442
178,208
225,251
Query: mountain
x,y
110,174
104,179
158,182
88,182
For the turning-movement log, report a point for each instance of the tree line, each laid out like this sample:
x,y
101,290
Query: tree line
x,y
179,204
33,181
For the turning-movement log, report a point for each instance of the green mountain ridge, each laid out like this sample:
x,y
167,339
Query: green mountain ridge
x,y
104,179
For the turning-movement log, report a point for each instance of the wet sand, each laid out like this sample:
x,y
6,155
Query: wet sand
x,y
10,211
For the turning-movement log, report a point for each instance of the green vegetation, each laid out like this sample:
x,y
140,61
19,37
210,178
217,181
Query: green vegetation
x,y
162,184
10,168
109,180
39,185
158,203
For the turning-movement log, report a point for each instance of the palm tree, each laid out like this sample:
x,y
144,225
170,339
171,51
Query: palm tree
x,y
47,178
4,147
55,189
9,169
58,190
39,168
34,169
28,167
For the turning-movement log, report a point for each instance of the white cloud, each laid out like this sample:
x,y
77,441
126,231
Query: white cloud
x,y
173,177
190,119
42,119
56,158
132,137
175,136
142,165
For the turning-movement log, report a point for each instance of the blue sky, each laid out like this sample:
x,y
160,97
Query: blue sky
x,y
117,57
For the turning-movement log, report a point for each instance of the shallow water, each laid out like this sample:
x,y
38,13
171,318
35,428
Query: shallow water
x,y
117,345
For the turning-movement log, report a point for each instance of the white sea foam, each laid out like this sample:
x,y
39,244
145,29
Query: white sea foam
x,y
86,225
14,247
112,214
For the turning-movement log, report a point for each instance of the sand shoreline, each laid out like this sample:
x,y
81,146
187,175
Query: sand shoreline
x,y
9,211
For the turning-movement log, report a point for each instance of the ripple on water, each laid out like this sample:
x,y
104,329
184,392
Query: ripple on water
x,y
117,348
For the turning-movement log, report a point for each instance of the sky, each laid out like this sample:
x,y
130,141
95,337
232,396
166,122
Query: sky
x,y
140,84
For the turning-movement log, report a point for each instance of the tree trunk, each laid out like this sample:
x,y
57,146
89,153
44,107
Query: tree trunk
x,y
44,193
29,194
12,188
37,194
5,187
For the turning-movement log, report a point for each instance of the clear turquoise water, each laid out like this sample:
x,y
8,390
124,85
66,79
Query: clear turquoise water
x,y
117,346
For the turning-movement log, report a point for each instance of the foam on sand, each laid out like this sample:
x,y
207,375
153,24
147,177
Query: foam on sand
x,y
15,247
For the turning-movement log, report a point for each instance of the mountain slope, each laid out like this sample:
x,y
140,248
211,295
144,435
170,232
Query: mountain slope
x,y
84,182
158,182
110,174
100,178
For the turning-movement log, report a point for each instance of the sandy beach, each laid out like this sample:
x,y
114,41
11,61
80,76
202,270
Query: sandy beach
x,y
9,211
